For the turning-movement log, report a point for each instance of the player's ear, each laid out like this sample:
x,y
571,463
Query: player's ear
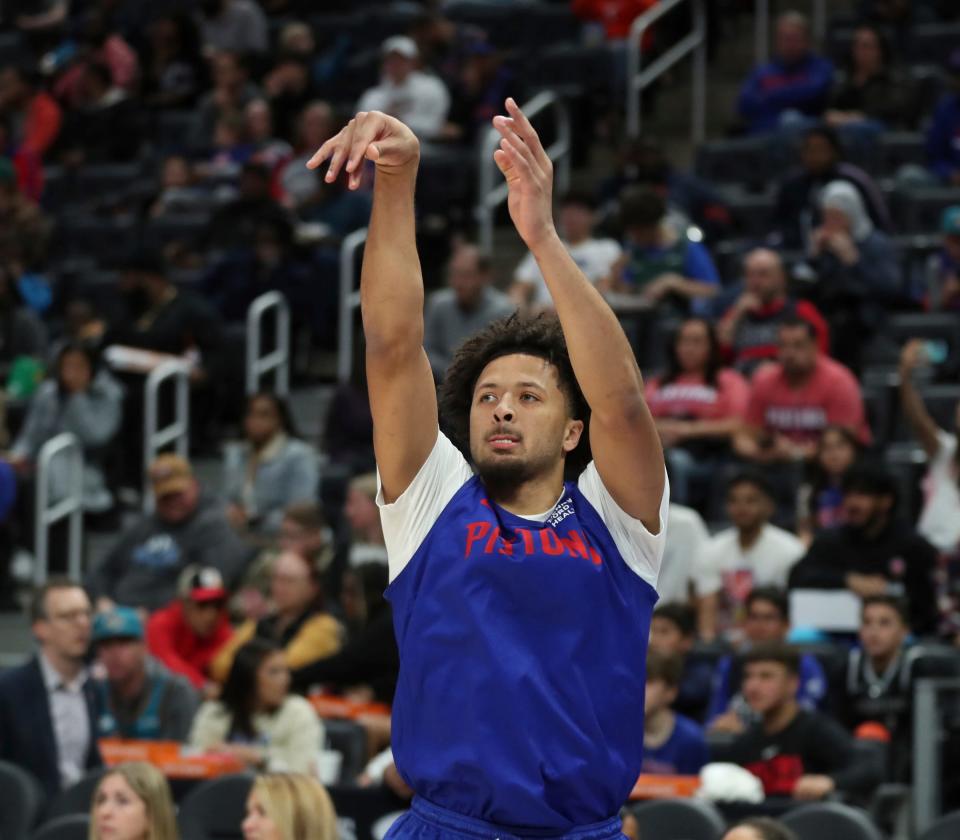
x,y
572,436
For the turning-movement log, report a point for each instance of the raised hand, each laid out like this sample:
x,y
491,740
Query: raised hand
x,y
373,136
529,174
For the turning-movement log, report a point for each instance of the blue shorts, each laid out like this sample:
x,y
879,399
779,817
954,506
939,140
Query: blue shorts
x,y
426,821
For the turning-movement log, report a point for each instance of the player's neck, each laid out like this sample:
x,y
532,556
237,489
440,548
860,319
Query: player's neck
x,y
528,498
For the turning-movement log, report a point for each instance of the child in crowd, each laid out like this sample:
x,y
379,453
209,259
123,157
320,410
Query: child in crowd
x,y
767,622
673,631
879,679
820,500
673,744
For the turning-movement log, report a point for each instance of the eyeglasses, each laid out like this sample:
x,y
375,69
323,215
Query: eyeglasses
x,y
72,616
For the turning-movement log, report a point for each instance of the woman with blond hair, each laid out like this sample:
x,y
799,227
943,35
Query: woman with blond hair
x,y
133,802
289,806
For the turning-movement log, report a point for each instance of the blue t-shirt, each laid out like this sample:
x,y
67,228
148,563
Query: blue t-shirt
x,y
683,753
522,655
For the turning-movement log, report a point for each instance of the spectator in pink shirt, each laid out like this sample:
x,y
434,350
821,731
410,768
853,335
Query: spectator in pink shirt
x,y
794,400
697,404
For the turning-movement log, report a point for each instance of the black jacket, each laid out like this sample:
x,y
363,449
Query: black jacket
x,y
811,743
26,727
898,553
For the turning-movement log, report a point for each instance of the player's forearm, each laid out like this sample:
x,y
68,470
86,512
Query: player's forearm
x,y
601,356
391,284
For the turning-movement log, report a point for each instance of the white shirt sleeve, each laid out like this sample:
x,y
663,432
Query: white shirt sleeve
x,y
642,551
407,521
707,579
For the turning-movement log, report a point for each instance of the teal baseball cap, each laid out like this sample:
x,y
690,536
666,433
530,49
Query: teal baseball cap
x,y
118,623
950,221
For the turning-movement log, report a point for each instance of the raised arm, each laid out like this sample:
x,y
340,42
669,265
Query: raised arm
x,y
623,437
923,425
402,396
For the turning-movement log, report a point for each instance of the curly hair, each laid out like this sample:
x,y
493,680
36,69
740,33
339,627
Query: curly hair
x,y
540,336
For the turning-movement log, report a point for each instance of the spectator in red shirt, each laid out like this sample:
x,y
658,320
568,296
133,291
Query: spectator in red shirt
x,y
187,634
615,15
748,329
697,404
794,400
35,112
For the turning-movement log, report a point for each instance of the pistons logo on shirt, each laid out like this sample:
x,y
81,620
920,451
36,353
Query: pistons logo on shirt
x,y
483,537
897,567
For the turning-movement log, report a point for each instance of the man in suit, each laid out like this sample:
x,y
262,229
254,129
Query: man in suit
x,y
48,707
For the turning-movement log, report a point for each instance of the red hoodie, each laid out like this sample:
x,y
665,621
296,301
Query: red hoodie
x,y
170,639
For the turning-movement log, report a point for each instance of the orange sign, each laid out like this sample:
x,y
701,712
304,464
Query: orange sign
x,y
329,706
170,757
650,786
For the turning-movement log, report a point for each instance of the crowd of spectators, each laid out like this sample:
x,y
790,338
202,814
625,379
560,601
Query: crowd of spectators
x,y
153,184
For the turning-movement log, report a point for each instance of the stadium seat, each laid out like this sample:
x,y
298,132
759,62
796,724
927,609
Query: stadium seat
x,y
72,827
752,213
215,809
933,42
20,800
104,239
181,227
679,819
946,828
739,160
570,67
350,740
831,821
918,210
505,24
173,130
105,179
899,329
552,24
897,148
933,660
75,799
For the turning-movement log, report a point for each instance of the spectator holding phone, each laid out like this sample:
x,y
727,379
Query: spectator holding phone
x,y
940,519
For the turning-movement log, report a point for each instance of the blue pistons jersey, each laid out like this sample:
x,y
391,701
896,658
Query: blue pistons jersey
x,y
523,653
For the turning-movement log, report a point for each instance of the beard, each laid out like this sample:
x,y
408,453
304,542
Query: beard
x,y
503,475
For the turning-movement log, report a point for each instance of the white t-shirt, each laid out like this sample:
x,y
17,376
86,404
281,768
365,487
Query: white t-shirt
x,y
408,520
686,536
594,257
940,518
724,566
421,101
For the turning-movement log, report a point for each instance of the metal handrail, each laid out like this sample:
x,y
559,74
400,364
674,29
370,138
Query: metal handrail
x,y
277,360
761,27
492,190
638,80
178,432
926,791
349,300
64,445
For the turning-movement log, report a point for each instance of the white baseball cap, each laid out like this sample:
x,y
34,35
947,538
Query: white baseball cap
x,y
400,44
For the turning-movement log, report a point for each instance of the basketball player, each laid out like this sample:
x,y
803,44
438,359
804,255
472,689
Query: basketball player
x,y
521,603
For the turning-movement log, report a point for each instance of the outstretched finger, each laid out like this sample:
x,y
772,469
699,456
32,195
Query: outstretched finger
x,y
322,153
367,129
517,164
510,136
527,132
